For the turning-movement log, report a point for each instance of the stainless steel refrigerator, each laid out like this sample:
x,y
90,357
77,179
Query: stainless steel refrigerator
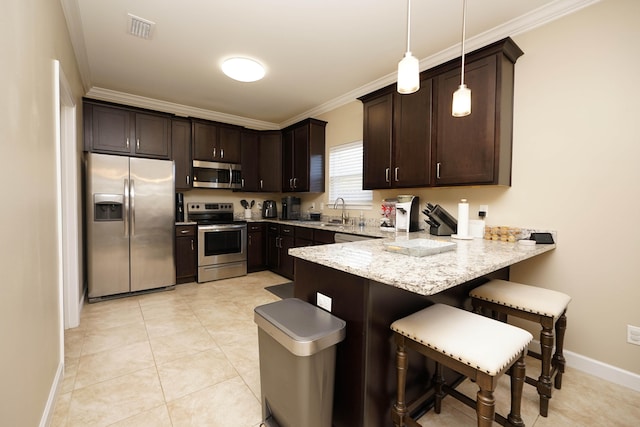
x,y
130,224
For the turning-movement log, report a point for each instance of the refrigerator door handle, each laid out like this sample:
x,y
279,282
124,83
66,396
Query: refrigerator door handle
x,y
126,208
132,192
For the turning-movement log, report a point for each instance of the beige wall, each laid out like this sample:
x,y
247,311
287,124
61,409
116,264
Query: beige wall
x,y
575,170
32,34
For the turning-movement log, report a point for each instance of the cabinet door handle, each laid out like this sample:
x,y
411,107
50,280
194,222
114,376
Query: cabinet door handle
x,y
184,231
438,170
192,245
249,239
295,183
386,175
127,143
261,184
291,183
396,174
137,144
188,179
214,152
222,153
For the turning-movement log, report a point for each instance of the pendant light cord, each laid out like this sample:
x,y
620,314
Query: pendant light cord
x,y
408,24
464,26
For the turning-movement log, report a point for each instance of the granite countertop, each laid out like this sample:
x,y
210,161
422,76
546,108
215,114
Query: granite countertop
x,y
426,275
369,230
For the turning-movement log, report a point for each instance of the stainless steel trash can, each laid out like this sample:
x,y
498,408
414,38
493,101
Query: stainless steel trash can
x,y
297,345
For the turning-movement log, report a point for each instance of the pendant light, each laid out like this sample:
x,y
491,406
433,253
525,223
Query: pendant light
x,y
461,105
408,67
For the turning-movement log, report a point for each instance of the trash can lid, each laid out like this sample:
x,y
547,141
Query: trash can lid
x,y
300,327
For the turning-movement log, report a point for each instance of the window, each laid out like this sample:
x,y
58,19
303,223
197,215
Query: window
x,y
345,175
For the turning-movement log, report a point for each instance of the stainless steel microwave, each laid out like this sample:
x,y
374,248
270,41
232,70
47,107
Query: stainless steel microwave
x,y
216,175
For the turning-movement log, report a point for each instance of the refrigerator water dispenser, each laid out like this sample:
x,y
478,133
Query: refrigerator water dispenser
x,y
108,207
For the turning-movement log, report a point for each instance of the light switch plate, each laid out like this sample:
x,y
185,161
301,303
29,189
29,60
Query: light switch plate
x,y
323,301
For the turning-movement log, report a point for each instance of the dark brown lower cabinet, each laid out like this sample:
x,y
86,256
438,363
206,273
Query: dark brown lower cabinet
x,y
186,253
256,247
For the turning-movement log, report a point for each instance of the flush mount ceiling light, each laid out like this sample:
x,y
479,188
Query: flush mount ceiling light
x,y
243,69
408,67
461,105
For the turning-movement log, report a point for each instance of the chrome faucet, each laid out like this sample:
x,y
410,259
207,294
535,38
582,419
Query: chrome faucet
x,y
344,216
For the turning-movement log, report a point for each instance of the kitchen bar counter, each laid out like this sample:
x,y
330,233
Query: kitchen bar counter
x,y
370,288
426,275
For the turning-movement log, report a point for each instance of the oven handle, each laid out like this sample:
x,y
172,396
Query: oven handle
x,y
221,227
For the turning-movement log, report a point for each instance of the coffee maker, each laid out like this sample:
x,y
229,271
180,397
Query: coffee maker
x,y
269,209
291,207
407,213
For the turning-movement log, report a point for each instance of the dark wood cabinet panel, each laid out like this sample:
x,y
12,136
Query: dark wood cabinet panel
x,y
181,152
229,144
186,253
205,141
397,138
114,129
256,247
110,129
414,141
377,141
303,153
476,149
152,135
261,158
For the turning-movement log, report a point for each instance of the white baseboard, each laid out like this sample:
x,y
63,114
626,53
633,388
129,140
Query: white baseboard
x,y
47,415
597,369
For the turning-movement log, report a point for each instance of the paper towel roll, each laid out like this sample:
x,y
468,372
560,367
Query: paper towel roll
x,y
463,218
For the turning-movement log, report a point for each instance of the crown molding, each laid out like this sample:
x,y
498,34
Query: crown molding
x,y
74,27
177,109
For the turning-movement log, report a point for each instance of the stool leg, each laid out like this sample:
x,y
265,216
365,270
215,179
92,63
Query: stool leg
x,y
439,381
544,381
485,408
399,410
517,383
558,361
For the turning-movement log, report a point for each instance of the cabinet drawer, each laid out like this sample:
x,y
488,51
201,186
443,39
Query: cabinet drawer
x,y
287,230
324,236
185,230
255,227
304,233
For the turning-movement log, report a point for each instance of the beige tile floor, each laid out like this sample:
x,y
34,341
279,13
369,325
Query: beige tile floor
x,y
189,357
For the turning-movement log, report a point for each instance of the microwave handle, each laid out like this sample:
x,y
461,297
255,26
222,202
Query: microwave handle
x,y
230,174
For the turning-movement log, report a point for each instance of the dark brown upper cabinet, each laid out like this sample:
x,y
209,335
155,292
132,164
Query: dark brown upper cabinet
x,y
261,160
303,154
215,142
476,149
397,138
181,152
113,129
414,141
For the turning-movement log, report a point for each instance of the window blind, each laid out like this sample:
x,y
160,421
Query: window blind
x,y
345,175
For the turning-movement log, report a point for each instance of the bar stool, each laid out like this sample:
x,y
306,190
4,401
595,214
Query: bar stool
x,y
475,346
544,306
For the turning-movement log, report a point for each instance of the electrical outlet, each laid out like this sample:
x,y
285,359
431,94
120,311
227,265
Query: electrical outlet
x,y
485,209
633,334
323,301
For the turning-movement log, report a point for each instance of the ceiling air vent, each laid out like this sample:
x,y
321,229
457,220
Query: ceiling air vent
x,y
140,27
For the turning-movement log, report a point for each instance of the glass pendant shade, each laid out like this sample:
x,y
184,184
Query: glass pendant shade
x,y
408,74
461,105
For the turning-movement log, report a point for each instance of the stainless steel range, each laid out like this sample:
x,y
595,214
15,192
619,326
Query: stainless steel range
x,y
222,241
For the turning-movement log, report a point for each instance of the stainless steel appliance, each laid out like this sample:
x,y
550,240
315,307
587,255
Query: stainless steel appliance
x,y
291,207
407,213
222,241
130,222
216,175
269,209
179,207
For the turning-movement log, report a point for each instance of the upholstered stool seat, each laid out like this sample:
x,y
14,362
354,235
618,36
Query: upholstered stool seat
x,y
544,306
472,345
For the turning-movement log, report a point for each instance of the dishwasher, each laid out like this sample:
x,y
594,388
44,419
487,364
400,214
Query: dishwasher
x,y
344,238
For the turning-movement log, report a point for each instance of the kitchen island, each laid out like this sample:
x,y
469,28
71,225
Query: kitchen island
x,y
371,287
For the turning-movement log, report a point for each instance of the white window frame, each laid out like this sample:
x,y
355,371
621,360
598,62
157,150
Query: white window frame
x,y
354,198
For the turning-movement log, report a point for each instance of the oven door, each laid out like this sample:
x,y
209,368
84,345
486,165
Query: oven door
x,y
222,244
